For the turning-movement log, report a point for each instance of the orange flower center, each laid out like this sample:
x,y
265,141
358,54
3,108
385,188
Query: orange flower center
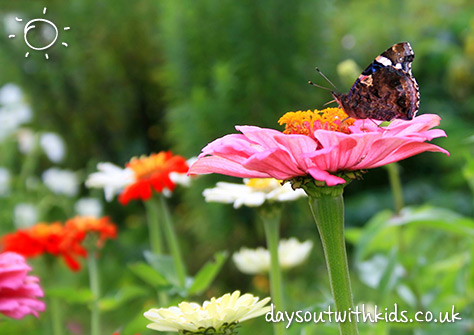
x,y
145,166
305,123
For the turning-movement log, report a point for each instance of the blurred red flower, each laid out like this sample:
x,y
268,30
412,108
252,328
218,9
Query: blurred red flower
x,y
44,238
59,240
80,226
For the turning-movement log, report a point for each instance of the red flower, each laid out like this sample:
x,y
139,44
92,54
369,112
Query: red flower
x,y
44,238
80,226
152,173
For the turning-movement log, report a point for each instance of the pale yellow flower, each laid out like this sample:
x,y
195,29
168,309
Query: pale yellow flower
x,y
291,253
253,192
215,316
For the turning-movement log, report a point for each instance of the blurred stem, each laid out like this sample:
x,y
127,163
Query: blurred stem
x,y
54,303
396,186
271,222
155,238
172,242
327,206
154,232
95,289
56,317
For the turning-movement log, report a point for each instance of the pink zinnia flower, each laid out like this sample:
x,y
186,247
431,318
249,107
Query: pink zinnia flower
x,y
18,292
317,144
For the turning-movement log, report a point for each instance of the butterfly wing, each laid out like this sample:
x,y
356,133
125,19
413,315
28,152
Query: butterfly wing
x,y
386,89
385,95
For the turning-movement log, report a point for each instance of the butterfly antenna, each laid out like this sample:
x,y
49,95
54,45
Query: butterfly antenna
x,y
322,74
316,85
329,102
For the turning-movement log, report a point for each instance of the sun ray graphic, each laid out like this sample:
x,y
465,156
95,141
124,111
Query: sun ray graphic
x,y
31,25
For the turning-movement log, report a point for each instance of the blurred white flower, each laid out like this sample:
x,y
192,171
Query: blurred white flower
x,y
11,25
253,193
61,181
252,261
111,178
10,94
88,207
182,178
291,253
4,182
215,316
53,146
13,111
26,140
25,215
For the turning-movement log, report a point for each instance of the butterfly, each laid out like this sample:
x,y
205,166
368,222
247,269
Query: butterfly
x,y
386,89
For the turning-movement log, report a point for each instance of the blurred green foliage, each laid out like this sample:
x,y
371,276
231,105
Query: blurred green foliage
x,y
144,76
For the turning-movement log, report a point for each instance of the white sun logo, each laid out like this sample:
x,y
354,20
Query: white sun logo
x,y
31,25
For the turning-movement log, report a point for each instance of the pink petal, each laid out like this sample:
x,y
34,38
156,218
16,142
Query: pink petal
x,y
213,164
325,176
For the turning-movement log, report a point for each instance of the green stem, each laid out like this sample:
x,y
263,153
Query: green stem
x,y
327,206
396,186
95,289
271,223
173,242
154,232
56,317
54,302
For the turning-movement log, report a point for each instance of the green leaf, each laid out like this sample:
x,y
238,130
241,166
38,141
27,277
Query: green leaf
x,y
71,295
208,273
148,274
123,296
164,265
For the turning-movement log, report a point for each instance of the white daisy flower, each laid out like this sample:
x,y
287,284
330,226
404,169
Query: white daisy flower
x,y
53,146
4,182
25,215
88,207
111,178
291,253
61,181
215,316
253,193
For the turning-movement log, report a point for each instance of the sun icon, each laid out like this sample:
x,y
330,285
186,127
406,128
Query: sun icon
x,y
51,39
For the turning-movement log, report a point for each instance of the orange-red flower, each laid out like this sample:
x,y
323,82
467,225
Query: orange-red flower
x,y
152,173
44,238
80,226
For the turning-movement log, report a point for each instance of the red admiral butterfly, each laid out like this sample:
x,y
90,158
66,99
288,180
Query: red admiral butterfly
x,y
386,89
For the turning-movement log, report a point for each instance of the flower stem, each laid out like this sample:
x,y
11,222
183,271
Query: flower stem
x,y
173,242
396,186
154,232
56,318
95,289
271,223
327,206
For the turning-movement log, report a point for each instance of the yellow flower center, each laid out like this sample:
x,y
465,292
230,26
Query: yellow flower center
x,y
147,165
305,123
262,184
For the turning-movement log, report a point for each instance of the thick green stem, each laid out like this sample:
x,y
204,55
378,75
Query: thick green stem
x,y
271,223
154,232
396,185
173,242
95,289
327,206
